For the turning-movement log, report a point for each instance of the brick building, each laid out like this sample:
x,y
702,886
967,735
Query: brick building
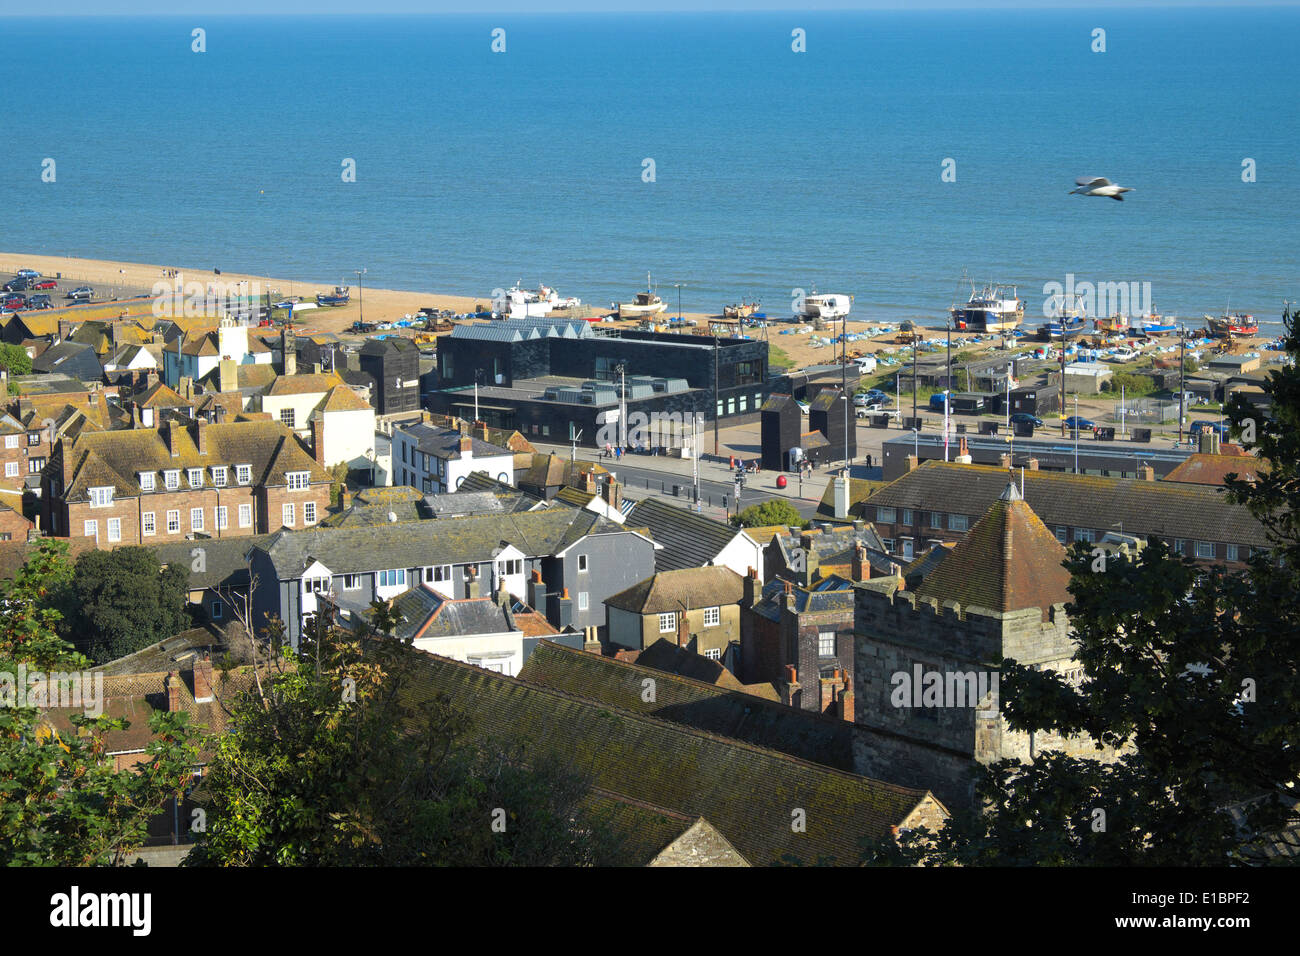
x,y
146,486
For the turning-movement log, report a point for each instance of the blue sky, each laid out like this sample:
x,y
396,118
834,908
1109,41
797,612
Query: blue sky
x,y
45,8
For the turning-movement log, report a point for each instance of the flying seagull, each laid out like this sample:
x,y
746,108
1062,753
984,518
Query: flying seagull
x,y
1099,186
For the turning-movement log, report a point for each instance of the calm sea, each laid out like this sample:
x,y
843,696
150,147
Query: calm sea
x,y
772,169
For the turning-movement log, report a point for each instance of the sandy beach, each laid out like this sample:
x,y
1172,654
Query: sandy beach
x,y
112,279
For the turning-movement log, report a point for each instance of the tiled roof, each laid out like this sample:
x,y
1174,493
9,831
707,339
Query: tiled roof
x,y
343,399
159,395
1200,469
117,457
445,442
551,471
511,498
687,588
304,384
859,490
689,540
749,793
664,655
1166,509
1008,561
223,565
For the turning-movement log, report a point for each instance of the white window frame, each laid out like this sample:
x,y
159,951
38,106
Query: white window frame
x,y
148,524
11,441
352,582
223,517
172,479
246,516
174,521
194,476
101,496
114,529
668,622
11,469
196,513
886,515
309,512
147,481
712,616
298,480
288,514
713,653
1205,546
582,601
219,476
90,528
822,638
1231,553
582,563
243,474
958,522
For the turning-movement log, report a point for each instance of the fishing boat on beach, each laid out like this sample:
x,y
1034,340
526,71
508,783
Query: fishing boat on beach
x,y
741,310
989,309
1230,323
1065,320
340,296
524,303
647,303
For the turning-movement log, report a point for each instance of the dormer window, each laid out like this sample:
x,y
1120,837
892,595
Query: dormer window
x,y
101,497
146,481
195,477
172,479
219,476
243,474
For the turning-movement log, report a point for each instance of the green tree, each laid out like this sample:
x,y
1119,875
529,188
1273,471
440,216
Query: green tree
x,y
774,511
334,766
124,600
15,360
1195,672
62,802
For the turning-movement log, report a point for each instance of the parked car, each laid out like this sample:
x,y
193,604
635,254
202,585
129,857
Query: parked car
x,y
1124,354
14,301
39,301
1024,418
27,274
82,292
1080,423
18,284
45,284
878,408
1201,425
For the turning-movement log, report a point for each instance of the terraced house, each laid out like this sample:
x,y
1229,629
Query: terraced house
x,y
941,502
562,561
151,485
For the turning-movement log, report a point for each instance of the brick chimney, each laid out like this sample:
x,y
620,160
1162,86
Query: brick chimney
x,y
318,439
346,500
65,329
173,692
789,685
1032,464
203,680
201,435
169,436
288,352
1146,473
466,446
751,589
787,595
186,388
1004,460
227,375
846,700
683,630
861,566
614,493
563,611
589,482
912,462
482,430
591,639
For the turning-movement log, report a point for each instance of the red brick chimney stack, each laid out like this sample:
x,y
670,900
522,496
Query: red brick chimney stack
x,y
203,680
173,692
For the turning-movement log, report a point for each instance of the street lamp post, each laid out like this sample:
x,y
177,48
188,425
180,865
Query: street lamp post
x,y
946,399
1076,433
361,308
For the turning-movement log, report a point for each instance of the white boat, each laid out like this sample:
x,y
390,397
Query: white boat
x,y
528,303
647,303
990,309
828,308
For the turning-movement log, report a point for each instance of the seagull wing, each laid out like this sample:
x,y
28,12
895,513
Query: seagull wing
x,y
1092,181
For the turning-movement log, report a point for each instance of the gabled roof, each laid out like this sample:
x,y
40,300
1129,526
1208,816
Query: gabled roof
x,y
306,384
1167,509
343,399
665,655
747,792
70,358
551,471
445,443
476,539
159,395
859,490
684,589
1008,561
689,540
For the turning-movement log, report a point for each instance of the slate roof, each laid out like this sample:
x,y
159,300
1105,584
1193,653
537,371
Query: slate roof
x,y
117,457
1008,561
921,566
426,613
689,540
1165,509
687,588
224,564
511,498
447,541
445,443
70,358
747,792
460,502
833,593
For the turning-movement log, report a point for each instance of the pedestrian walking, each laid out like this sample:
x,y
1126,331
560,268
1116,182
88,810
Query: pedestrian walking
x,y
868,462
